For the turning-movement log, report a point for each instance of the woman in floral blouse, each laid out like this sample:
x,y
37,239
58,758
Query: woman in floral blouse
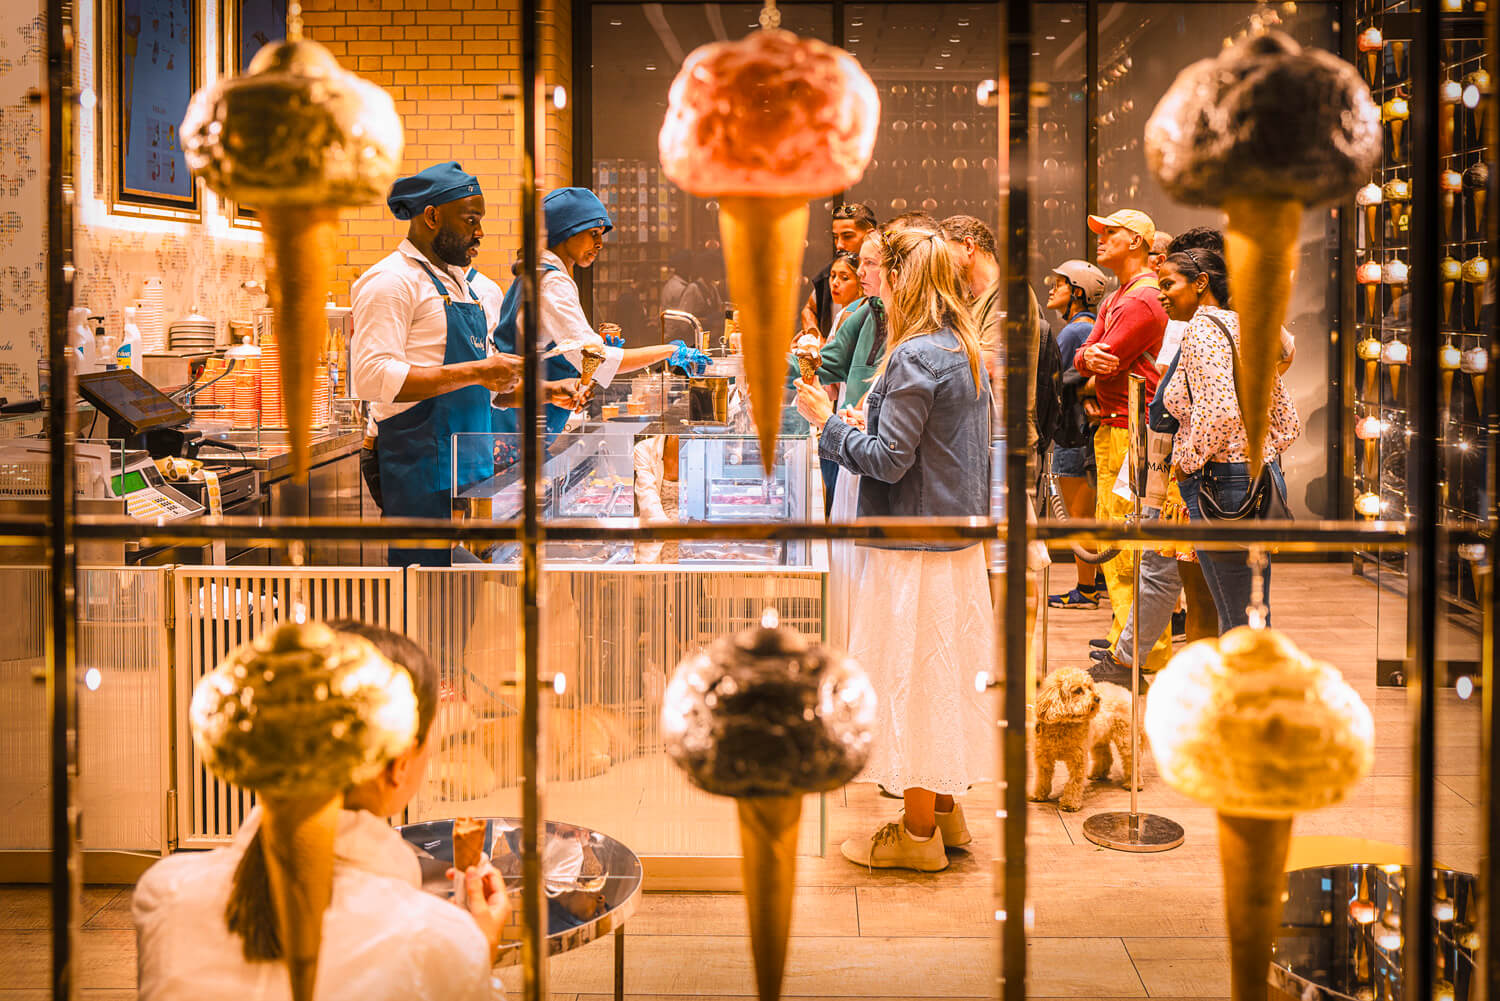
x,y
1199,392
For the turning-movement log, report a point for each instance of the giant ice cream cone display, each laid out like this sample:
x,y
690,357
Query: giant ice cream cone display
x,y
1450,360
1369,199
1263,130
1451,272
297,138
766,717
764,124
298,715
1369,350
1252,726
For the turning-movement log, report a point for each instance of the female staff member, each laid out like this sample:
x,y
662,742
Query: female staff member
x,y
922,621
1201,394
576,223
206,929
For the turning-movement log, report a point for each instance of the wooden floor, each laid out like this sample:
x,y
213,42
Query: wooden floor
x,y
1104,925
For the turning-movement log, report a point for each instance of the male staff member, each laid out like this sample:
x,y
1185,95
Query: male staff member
x,y
1125,340
420,352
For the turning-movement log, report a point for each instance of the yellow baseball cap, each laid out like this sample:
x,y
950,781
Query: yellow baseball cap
x,y
1137,222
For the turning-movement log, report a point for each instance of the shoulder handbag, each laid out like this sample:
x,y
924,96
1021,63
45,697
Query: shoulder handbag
x,y
1264,501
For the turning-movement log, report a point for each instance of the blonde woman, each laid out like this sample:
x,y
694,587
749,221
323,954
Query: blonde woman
x,y
921,624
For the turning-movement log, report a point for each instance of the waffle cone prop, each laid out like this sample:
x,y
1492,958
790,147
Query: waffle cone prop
x,y
1369,352
1252,856
766,717
1263,130
764,124
301,252
297,837
762,240
298,715
1260,243
1255,728
588,364
297,138
768,864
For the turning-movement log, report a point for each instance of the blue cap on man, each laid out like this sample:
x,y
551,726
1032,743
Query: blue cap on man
x,y
570,211
436,185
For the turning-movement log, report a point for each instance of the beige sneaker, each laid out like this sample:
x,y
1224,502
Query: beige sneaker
x,y
953,828
893,847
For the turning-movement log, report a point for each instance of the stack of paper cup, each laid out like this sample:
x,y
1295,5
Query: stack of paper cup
x,y
150,316
273,408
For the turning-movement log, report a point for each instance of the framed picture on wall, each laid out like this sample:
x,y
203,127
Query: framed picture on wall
x,y
155,70
248,26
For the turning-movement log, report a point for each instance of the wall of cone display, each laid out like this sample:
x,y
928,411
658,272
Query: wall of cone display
x,y
1385,257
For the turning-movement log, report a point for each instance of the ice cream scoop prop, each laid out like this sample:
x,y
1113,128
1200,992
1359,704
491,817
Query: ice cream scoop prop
x,y
1395,354
1476,272
1260,731
1476,362
1451,183
1450,95
298,715
1477,183
766,717
1395,113
1263,130
1369,430
1450,360
1398,194
297,138
1372,44
1369,276
764,124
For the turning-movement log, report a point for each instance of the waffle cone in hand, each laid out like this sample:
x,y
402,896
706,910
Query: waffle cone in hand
x,y
1260,248
763,244
808,367
297,837
1252,855
768,849
301,244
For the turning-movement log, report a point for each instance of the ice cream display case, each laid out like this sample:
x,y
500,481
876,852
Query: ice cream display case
x,y
721,480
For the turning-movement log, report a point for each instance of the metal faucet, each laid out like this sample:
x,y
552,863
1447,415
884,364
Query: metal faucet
x,y
700,336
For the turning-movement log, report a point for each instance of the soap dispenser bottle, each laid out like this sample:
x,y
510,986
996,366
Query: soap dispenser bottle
x,y
81,339
129,353
104,346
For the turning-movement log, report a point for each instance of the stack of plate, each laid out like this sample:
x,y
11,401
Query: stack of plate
x,y
192,334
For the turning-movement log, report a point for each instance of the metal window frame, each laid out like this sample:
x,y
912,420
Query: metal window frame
x,y
61,528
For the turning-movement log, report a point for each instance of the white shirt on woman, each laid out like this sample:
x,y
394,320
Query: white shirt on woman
x,y
383,937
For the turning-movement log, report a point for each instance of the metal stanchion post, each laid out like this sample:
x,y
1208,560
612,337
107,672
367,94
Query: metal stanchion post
x,y
1135,831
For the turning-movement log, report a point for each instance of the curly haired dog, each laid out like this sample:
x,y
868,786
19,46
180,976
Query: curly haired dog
x,y
1078,719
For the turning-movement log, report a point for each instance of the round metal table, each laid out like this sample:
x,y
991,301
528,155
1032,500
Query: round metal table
x,y
592,882
1341,935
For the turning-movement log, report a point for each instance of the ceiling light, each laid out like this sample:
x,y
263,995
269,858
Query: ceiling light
x,y
650,67
615,23
1050,38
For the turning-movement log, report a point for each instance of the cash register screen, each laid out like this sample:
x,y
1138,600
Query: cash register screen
x,y
130,483
124,396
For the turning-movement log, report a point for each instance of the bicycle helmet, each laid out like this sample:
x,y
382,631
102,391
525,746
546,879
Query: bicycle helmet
x,y
1083,277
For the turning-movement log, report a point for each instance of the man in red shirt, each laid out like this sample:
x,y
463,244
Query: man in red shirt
x,y
1125,340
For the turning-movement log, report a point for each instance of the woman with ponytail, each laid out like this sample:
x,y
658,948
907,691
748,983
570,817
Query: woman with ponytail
x,y
207,928
922,622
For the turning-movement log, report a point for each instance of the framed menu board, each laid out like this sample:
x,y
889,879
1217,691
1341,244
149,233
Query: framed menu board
x,y
156,69
256,23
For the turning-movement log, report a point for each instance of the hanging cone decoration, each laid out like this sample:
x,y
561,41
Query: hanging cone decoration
x,y
251,719
765,716
1207,747
1252,857
1260,241
763,240
1306,132
768,864
296,138
764,124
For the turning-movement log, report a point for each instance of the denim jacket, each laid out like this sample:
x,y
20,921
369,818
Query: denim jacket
x,y
926,453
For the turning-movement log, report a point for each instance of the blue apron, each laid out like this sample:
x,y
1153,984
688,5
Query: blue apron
x,y
557,368
415,447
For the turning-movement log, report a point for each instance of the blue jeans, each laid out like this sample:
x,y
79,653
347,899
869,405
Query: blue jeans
x,y
1227,572
830,480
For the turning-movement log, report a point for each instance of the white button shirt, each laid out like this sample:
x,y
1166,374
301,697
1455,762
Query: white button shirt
x,y
383,937
562,323
400,323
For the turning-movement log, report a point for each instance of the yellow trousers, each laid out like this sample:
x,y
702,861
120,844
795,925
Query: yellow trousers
x,y
1111,451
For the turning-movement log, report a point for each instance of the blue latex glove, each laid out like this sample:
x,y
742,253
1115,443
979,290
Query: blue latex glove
x,y
614,340
689,360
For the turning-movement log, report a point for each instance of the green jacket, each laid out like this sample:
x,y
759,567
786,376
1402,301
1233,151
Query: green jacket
x,y
847,357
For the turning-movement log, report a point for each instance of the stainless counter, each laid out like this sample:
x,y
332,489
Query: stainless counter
x,y
270,452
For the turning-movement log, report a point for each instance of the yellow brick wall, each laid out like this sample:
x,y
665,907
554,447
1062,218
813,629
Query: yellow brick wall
x,y
453,68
